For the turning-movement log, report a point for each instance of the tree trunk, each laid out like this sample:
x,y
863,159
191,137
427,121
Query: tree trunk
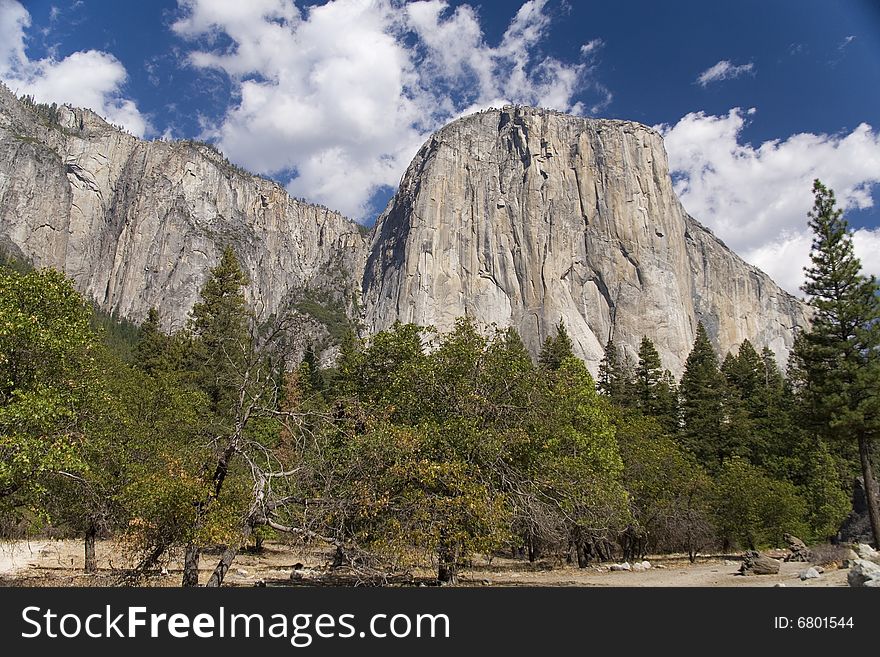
x,y
583,556
870,490
228,556
447,566
533,549
91,563
191,566
226,559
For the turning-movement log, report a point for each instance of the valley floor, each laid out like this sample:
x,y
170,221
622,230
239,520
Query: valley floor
x,y
59,563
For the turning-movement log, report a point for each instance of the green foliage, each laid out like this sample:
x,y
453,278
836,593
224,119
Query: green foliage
x,y
615,376
46,367
556,349
457,449
752,510
836,363
827,503
702,396
331,314
837,359
220,325
117,333
671,493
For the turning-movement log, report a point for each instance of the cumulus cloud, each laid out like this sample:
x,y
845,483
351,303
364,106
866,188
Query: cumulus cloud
x,y
756,198
88,78
338,97
723,70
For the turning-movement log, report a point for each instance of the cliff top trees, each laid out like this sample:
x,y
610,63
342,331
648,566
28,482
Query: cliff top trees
x,y
838,358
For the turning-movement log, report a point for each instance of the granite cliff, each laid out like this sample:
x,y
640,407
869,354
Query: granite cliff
x,y
137,223
518,216
528,217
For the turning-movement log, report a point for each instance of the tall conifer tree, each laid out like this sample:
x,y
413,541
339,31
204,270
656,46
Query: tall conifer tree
x,y
839,356
702,395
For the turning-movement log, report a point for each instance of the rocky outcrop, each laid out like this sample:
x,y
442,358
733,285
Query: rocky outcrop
x,y
857,525
138,224
527,217
518,217
864,573
755,563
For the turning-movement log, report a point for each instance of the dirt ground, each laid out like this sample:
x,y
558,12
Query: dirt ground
x,y
59,563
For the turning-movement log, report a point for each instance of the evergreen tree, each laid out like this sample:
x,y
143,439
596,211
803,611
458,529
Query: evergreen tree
x,y
666,403
745,371
838,358
312,369
220,325
615,380
556,349
649,374
702,396
153,351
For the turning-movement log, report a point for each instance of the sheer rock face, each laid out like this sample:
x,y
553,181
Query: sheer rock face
x,y
527,217
137,224
520,217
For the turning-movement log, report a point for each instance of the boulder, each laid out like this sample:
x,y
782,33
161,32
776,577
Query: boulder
x,y
865,551
809,573
864,573
755,563
797,548
621,566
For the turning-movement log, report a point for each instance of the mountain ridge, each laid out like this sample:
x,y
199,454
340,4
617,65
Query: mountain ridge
x,y
516,216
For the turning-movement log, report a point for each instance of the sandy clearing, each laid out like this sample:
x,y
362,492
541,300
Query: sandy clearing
x,y
17,555
59,563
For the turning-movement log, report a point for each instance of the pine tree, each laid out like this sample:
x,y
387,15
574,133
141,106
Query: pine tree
x,y
702,396
153,352
649,374
745,371
839,356
615,380
666,409
220,324
556,349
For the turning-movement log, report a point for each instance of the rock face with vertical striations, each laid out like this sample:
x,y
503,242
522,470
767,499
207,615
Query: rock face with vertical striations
x,y
526,217
138,224
519,217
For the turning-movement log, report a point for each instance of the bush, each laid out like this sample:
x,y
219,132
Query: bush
x,y
753,510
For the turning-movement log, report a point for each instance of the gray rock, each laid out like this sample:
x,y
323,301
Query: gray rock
x,y
799,550
863,573
137,224
625,566
522,217
755,563
865,551
526,217
809,573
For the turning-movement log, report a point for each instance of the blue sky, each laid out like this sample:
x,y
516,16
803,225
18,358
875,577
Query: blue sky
x,y
333,99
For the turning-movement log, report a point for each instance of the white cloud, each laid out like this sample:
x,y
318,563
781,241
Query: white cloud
x,y
592,46
723,70
89,78
340,96
756,199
